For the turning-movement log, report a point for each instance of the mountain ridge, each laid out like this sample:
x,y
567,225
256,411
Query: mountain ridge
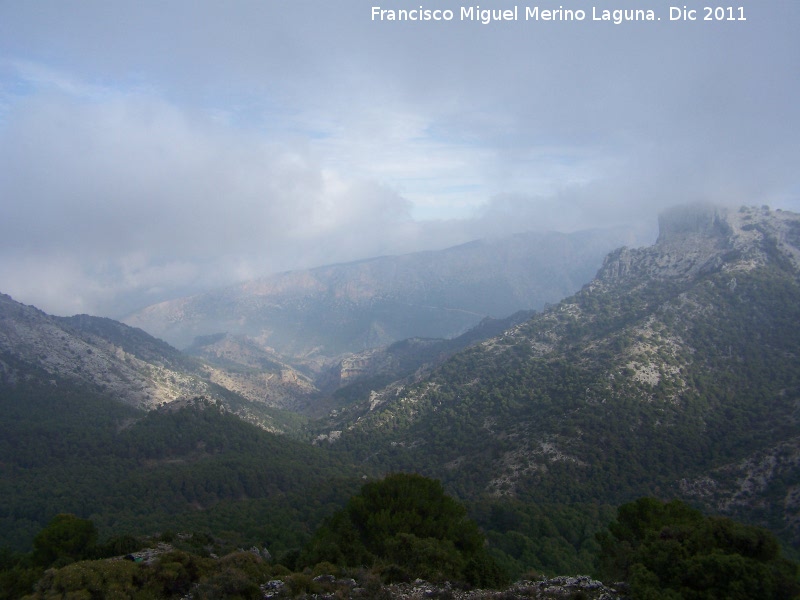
x,y
124,363
672,374
60,347
328,311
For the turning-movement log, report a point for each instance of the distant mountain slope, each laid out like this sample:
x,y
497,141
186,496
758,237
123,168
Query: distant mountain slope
x,y
239,364
337,309
677,360
123,363
356,377
128,364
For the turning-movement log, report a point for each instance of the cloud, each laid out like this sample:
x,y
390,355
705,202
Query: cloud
x,y
142,195
151,150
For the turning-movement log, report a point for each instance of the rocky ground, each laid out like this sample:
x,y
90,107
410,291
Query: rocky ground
x,y
580,587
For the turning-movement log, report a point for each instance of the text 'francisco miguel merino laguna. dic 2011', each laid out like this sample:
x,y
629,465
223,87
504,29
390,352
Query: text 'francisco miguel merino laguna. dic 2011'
x,y
535,13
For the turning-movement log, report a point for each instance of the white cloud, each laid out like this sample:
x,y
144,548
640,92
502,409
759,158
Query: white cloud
x,y
149,149
144,196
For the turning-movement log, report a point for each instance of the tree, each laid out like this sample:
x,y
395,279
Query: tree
x,y
670,550
66,538
409,522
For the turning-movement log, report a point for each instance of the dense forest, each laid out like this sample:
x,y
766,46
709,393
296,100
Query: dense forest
x,y
201,470
393,531
196,468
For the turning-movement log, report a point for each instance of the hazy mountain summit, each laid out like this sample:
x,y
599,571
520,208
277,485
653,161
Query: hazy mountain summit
x,y
345,308
697,239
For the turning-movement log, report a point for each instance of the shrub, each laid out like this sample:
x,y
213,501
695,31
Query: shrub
x,y
65,539
409,522
669,550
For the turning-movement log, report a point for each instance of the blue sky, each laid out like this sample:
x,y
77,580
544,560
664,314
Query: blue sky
x,y
150,149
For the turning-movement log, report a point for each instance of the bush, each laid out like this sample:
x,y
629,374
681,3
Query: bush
x,y
94,579
300,583
669,550
409,522
325,568
65,539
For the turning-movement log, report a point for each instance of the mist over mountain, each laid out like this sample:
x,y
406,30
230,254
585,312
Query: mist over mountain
x,y
344,308
321,231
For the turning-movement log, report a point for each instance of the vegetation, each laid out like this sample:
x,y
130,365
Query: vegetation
x,y
546,539
406,525
671,551
199,468
641,388
559,412
396,530
172,574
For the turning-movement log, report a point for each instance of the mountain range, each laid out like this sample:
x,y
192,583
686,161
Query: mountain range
x,y
672,373
320,314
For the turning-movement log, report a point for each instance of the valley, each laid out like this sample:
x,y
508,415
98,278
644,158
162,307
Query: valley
x,y
673,374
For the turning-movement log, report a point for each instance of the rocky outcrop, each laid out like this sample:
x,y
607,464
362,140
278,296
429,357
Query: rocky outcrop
x,y
692,220
700,239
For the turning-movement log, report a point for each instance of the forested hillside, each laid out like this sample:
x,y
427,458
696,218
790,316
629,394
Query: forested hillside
x,y
675,361
190,466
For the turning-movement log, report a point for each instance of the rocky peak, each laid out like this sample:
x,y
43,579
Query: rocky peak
x,y
700,238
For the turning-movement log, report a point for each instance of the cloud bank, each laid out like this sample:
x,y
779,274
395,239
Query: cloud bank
x,y
150,150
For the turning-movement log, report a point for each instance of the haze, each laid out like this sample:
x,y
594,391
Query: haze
x,y
154,149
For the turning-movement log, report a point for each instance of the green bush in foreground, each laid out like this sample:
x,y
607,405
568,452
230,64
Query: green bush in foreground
x,y
65,539
671,551
172,575
406,525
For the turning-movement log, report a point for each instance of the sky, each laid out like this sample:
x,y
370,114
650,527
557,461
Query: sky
x,y
152,149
